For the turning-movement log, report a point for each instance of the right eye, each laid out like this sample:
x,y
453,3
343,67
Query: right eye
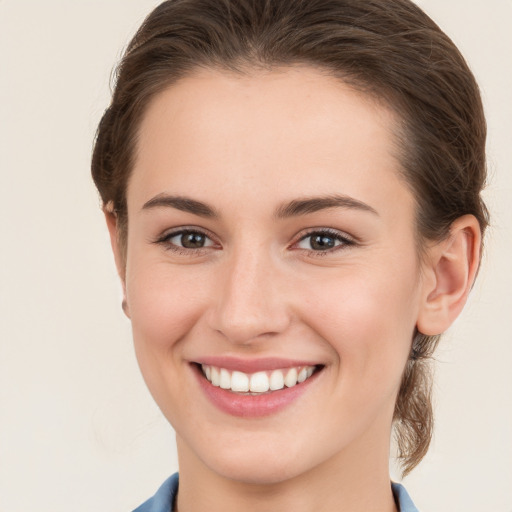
x,y
190,240
186,240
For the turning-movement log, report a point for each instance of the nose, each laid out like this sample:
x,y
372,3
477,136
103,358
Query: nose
x,y
251,302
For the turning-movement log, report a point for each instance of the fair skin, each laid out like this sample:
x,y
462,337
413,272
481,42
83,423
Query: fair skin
x,y
334,283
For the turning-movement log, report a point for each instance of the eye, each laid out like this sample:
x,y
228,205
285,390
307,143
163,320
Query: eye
x,y
185,240
190,240
323,241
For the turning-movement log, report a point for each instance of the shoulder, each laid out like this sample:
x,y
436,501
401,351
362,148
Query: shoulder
x,y
403,499
163,500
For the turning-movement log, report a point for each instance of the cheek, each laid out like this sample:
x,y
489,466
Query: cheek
x,y
368,321
164,304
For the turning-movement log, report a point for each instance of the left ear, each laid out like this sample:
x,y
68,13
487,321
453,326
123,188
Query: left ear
x,y
449,272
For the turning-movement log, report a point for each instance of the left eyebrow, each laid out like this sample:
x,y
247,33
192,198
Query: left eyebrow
x,y
314,204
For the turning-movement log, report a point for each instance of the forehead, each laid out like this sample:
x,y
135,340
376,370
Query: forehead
x,y
291,131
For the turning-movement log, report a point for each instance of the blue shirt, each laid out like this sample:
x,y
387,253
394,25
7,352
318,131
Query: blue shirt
x,y
163,500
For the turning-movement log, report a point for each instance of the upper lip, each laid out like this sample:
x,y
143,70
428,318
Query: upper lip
x,y
252,365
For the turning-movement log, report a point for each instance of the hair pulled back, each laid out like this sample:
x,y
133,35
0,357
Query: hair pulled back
x,y
388,49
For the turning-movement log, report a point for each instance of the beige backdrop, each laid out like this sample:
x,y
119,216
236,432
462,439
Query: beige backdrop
x,y
78,430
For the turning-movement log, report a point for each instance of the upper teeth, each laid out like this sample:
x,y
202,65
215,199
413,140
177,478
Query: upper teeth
x,y
259,382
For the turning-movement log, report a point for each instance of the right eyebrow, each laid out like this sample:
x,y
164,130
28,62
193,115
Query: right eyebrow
x,y
185,204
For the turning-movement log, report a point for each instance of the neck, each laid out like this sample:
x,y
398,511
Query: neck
x,y
354,480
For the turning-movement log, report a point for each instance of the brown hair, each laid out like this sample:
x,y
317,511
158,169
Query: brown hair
x,y
387,48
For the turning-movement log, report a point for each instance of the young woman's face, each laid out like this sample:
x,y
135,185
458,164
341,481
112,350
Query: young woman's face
x,y
271,240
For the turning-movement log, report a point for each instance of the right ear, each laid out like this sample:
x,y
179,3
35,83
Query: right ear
x,y
119,256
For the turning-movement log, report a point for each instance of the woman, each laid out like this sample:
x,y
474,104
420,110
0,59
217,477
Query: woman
x,y
292,190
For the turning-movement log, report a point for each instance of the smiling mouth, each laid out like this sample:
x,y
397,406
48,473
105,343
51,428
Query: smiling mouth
x,y
257,383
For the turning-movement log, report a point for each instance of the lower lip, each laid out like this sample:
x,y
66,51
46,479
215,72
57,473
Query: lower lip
x,y
252,406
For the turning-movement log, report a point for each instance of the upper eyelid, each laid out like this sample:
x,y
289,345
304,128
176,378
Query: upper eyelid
x,y
171,232
330,231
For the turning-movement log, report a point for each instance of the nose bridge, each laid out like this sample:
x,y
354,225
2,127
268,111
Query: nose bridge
x,y
250,300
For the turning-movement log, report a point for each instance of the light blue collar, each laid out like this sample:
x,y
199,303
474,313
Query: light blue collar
x,y
163,500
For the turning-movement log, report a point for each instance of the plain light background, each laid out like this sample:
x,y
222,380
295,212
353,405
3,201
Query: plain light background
x,y
78,430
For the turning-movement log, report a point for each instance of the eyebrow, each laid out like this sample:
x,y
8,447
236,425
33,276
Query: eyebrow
x,y
293,208
184,204
314,204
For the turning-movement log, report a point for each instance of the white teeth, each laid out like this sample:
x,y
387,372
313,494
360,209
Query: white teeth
x,y
291,377
225,379
303,375
259,382
277,380
239,382
215,380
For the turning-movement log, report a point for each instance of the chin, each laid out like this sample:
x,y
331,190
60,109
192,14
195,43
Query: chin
x,y
257,462
259,471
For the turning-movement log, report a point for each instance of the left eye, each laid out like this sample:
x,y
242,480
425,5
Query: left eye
x,y
322,241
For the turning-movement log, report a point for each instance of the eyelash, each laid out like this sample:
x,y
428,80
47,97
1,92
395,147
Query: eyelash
x,y
165,240
344,241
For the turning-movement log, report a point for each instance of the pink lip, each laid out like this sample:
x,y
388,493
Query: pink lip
x,y
252,365
252,406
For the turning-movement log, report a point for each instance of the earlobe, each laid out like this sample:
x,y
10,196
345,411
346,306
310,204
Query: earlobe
x,y
450,271
119,258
